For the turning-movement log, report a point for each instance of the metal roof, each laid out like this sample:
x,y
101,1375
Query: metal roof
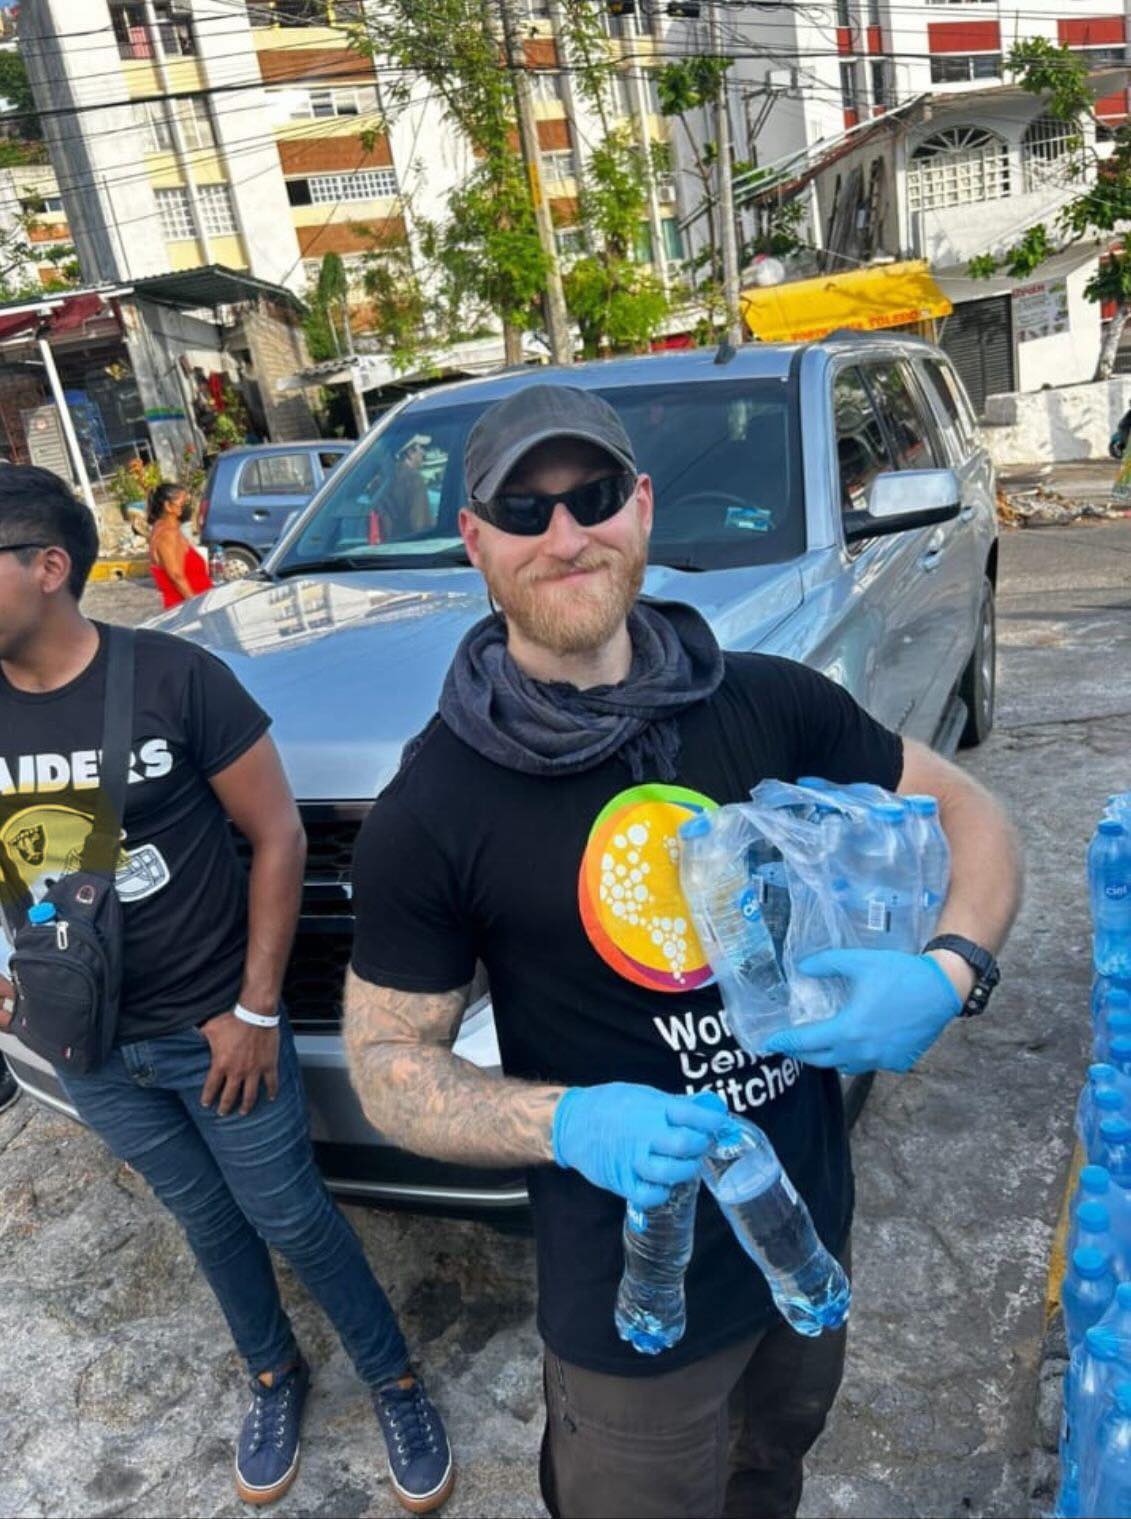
x,y
212,285
751,361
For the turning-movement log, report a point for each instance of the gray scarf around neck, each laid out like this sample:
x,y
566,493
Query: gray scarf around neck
x,y
553,728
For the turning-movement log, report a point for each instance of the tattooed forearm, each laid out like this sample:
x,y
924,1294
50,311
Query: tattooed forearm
x,y
426,1099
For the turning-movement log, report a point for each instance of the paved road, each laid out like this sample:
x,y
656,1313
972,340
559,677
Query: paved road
x,y
122,1396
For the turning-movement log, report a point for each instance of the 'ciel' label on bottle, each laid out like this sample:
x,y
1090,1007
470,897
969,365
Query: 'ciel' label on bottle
x,y
1116,892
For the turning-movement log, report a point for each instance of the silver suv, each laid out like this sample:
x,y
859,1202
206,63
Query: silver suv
x,y
830,502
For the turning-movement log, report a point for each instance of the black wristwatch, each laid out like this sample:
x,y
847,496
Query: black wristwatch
x,y
980,961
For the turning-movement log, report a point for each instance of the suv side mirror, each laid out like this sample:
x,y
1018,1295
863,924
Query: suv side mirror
x,y
903,499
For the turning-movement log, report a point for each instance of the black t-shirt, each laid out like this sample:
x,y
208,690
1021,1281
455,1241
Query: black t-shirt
x,y
567,889
182,886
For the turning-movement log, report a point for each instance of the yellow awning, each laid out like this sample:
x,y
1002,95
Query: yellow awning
x,y
886,295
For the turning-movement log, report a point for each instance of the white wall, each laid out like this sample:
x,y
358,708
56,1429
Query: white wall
x,y
1074,422
1065,358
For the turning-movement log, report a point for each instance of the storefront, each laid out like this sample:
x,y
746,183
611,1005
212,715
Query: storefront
x,y
899,296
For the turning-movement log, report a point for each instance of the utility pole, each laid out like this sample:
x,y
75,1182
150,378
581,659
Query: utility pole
x,y
727,232
557,318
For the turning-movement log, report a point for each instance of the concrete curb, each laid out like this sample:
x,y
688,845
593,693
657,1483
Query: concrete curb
x,y
120,569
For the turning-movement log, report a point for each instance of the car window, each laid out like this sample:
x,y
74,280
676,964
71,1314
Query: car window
x,y
967,422
945,409
905,424
861,446
331,458
277,475
724,458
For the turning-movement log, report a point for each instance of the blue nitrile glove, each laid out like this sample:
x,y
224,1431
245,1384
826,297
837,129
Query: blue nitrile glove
x,y
634,1140
897,1007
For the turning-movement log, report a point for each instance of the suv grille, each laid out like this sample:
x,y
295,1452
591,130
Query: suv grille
x,y
312,987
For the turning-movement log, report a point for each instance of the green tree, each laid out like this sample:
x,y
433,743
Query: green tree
x,y
398,307
689,85
332,293
15,88
1103,205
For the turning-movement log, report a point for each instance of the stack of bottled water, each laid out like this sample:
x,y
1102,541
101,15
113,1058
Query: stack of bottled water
x,y
1095,1440
771,1223
804,868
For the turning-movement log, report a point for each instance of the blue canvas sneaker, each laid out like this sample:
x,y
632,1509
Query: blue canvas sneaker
x,y
267,1454
420,1458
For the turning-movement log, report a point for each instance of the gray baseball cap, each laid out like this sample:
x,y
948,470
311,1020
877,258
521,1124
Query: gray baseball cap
x,y
511,428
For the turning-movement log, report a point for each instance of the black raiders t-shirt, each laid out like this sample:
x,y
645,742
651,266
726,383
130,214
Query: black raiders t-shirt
x,y
567,889
183,889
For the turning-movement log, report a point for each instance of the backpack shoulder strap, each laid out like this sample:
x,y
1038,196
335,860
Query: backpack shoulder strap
x,y
100,853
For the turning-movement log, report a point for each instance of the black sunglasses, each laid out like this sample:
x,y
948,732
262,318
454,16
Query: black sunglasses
x,y
528,514
14,548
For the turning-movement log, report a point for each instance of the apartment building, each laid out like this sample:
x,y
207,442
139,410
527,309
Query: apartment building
x,y
35,239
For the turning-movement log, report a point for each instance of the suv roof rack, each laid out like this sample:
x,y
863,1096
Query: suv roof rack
x,y
725,352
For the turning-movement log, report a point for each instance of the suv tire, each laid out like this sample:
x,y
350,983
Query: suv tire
x,y
978,685
238,561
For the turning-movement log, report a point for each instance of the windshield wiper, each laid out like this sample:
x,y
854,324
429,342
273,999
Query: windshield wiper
x,y
689,565
319,566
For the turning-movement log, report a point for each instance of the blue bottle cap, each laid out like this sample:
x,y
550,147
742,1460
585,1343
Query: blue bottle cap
x,y
1123,1295
922,806
1094,1217
1115,1129
890,812
1101,1072
696,827
1120,1048
1100,1340
42,912
1110,827
1119,1021
1095,1178
1119,998
1089,1262
1122,1394
1107,1098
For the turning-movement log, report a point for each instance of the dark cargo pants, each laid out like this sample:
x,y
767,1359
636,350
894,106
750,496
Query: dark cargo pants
x,y
724,1436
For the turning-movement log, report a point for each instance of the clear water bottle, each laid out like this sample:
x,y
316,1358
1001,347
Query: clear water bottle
x,y
1086,1291
1096,1185
728,918
1100,1097
1113,1150
1108,997
1117,1320
775,900
1116,1025
1110,1493
883,874
773,1226
1109,884
1091,1227
1119,1056
929,842
650,1312
1087,1382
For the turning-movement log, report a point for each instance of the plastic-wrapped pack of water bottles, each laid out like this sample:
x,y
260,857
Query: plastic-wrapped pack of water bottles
x,y
1095,1439
803,868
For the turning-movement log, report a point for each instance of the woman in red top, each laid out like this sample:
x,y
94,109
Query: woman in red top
x,y
179,569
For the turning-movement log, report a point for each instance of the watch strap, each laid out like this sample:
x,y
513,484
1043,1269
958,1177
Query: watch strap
x,y
980,961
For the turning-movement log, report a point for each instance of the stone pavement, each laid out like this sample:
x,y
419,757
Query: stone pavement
x,y
122,1396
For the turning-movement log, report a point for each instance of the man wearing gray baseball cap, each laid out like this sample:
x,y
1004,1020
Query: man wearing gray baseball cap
x,y
532,830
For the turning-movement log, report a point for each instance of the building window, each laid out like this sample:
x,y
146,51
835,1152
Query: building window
x,y
961,68
305,12
957,167
363,184
1100,57
546,86
344,100
216,210
174,27
50,206
881,89
558,165
673,237
176,215
848,96
195,121
1050,152
571,243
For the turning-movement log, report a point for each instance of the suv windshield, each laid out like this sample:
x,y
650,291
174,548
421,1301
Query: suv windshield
x,y
723,455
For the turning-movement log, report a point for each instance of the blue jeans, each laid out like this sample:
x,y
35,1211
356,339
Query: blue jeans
x,y
233,1183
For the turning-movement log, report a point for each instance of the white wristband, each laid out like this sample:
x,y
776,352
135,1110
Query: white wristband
x,y
257,1020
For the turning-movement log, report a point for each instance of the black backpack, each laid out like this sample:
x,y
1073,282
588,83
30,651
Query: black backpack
x,y
67,955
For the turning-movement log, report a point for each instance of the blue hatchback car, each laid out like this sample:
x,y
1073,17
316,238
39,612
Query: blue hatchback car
x,y
250,495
